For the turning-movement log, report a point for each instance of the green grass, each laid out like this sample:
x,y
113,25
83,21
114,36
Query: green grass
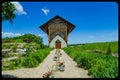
x,y
34,59
99,65
103,46
5,46
29,61
36,51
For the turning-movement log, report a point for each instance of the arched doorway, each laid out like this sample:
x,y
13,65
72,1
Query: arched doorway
x,y
58,44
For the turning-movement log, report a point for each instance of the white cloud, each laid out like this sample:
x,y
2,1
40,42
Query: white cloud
x,y
10,34
45,10
42,35
19,8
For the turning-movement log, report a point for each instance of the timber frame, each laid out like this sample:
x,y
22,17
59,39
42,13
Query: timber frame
x,y
46,27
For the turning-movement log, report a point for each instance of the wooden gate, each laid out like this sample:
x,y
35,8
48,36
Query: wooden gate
x,y
58,44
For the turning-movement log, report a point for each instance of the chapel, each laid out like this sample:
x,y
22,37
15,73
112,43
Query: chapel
x,y
57,30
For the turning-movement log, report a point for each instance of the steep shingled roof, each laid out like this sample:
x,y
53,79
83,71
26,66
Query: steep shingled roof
x,y
57,16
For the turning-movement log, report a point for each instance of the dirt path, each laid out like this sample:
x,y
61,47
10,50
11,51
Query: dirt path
x,y
71,71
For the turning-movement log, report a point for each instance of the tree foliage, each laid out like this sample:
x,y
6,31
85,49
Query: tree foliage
x,y
32,38
8,11
26,38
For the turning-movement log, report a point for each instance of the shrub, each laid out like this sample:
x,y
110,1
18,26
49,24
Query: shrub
x,y
108,50
18,41
84,60
98,69
38,57
12,66
104,69
29,62
5,46
14,48
33,59
99,65
19,60
28,51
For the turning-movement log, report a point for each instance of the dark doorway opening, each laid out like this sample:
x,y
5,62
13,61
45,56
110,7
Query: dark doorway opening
x,y
58,44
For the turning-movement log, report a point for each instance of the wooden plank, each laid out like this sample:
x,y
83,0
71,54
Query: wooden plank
x,y
58,45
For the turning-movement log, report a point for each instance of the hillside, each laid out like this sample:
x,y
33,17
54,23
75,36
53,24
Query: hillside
x,y
99,46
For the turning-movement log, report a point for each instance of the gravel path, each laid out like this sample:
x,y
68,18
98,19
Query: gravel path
x,y
71,71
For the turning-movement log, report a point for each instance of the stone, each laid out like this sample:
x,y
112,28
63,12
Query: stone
x,y
9,59
6,50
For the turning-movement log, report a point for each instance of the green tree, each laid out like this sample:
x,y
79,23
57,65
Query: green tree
x,y
32,38
8,11
25,38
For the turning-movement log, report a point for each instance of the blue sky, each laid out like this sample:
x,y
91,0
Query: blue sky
x,y
94,21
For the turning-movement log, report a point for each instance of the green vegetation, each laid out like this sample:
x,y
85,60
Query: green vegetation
x,y
99,65
103,46
12,47
33,59
95,57
18,41
108,50
29,61
8,11
26,38
5,46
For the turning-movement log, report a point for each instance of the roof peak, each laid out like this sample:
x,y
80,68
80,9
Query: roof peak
x,y
57,16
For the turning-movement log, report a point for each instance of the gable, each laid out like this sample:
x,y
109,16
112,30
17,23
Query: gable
x,y
57,19
61,34
63,43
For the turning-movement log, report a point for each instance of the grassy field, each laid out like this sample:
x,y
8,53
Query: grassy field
x,y
95,57
100,64
101,46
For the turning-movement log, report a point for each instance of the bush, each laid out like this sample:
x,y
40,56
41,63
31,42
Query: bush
x,y
19,60
18,41
38,57
104,69
33,59
108,50
5,46
12,66
99,65
28,38
29,62
98,69
14,48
